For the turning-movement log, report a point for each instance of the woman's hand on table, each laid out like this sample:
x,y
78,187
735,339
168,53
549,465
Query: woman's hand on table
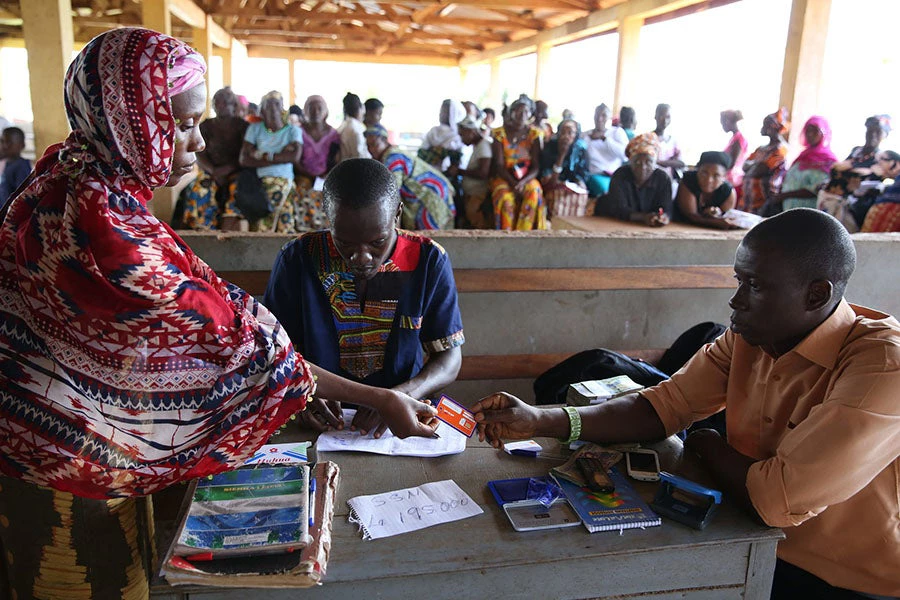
x,y
657,219
366,420
503,416
322,415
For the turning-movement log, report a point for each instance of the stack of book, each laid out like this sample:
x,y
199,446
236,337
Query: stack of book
x,y
596,391
257,526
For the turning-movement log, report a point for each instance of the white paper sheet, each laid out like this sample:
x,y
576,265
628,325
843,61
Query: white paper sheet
x,y
450,442
409,509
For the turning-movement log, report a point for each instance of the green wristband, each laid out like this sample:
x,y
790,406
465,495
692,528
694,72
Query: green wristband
x,y
574,424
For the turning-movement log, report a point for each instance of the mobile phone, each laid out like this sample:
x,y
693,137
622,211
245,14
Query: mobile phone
x,y
642,464
528,515
595,475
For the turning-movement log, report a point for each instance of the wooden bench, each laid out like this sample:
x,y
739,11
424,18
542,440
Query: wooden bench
x,y
529,366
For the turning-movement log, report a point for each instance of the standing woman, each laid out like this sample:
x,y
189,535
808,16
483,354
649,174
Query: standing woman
x,y
272,146
605,152
764,168
515,191
736,148
810,170
126,364
321,146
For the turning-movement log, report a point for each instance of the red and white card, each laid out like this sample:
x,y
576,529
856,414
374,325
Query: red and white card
x,y
453,414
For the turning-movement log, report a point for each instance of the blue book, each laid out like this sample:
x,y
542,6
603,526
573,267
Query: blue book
x,y
621,509
254,510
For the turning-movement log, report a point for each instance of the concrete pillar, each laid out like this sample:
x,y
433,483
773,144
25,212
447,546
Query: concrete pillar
x,y
803,58
203,45
238,52
47,26
225,53
543,57
292,82
156,15
627,63
494,98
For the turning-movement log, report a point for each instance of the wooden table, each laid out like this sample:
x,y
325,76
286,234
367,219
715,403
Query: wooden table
x,y
483,557
611,225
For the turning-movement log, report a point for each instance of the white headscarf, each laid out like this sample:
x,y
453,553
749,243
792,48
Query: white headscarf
x,y
447,136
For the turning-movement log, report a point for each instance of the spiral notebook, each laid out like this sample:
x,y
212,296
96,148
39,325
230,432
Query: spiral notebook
x,y
618,510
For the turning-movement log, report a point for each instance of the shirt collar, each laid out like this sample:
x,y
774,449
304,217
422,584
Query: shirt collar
x,y
824,343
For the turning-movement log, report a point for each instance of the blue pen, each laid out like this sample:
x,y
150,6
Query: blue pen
x,y
312,502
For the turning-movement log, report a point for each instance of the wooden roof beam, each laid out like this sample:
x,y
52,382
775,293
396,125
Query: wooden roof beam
x,y
396,57
518,20
585,5
363,33
596,22
418,17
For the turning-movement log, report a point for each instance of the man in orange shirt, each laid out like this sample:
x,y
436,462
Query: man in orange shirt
x,y
813,422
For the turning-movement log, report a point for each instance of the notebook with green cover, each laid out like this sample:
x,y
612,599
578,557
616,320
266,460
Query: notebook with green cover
x,y
621,509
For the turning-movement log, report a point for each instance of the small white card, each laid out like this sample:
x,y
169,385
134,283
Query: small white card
x,y
280,454
402,511
523,448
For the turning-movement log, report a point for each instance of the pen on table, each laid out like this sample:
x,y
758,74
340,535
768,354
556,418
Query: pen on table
x,y
312,501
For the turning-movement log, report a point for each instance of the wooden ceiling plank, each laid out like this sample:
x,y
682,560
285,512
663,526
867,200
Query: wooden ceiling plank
x,y
519,20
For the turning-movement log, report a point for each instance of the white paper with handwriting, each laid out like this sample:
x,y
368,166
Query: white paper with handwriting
x,y
401,511
344,440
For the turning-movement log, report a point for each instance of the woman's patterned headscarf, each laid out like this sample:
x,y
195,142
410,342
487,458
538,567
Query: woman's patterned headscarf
x,y
781,118
645,143
118,100
126,364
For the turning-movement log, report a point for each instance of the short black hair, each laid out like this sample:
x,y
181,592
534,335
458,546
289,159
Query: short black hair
x,y
489,111
359,183
293,109
626,116
15,134
374,104
352,105
661,107
816,244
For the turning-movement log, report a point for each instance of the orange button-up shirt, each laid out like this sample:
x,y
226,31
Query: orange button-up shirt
x,y
823,422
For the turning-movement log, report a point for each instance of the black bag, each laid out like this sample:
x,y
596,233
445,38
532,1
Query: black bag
x,y
687,345
250,196
552,385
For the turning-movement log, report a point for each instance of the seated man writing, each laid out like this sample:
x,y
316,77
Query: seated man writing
x,y
366,300
810,383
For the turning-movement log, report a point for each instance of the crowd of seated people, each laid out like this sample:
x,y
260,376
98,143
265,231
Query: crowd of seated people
x,y
469,173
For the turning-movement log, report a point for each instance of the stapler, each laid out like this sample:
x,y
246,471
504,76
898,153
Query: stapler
x,y
685,501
